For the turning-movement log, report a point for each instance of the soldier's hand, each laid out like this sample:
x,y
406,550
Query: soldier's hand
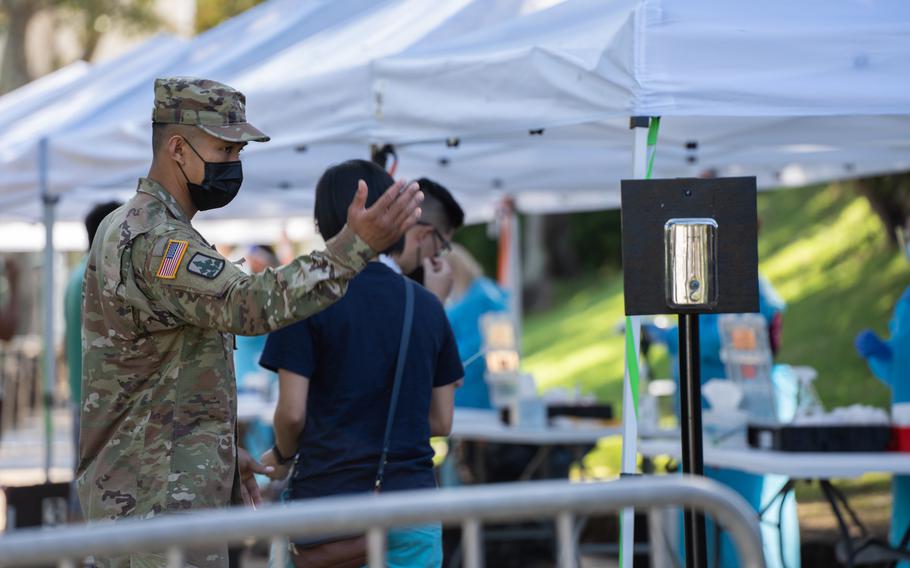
x,y
249,489
279,471
386,221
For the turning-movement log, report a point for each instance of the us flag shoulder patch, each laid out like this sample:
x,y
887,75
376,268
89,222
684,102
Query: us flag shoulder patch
x,y
173,255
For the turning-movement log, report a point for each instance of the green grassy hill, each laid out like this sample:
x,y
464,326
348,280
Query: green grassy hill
x,y
821,247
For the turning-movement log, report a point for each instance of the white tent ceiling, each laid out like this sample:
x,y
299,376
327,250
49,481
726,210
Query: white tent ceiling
x,y
101,153
790,92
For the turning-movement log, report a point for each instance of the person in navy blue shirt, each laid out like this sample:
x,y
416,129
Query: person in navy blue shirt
x,y
336,371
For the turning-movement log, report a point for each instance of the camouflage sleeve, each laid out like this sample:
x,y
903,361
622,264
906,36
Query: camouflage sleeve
x,y
185,277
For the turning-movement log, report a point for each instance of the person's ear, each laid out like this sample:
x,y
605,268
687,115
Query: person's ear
x,y
176,149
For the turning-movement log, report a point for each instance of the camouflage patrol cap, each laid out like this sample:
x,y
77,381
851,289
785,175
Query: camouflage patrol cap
x,y
214,107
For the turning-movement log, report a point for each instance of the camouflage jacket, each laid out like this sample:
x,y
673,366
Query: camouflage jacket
x,y
160,306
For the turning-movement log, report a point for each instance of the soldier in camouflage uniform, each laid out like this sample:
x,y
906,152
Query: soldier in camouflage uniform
x,y
160,310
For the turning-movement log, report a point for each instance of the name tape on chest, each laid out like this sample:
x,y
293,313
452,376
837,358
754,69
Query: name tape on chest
x,y
173,256
205,265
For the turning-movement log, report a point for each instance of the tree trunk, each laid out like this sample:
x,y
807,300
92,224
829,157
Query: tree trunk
x,y
889,198
14,67
562,256
90,44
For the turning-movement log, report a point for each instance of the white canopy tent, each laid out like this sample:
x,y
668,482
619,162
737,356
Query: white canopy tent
x,y
577,70
108,147
586,60
819,101
60,100
40,92
793,93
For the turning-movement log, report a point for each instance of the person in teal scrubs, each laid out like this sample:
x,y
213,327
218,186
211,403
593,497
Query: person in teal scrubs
x,y
889,360
473,296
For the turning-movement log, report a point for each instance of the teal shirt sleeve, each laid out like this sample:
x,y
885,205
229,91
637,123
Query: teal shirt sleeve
x,y
72,311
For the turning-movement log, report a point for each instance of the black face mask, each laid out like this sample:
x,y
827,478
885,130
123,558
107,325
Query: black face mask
x,y
220,183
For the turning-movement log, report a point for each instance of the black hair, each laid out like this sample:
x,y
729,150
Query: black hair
x,y
335,191
95,216
452,212
159,133
162,132
269,249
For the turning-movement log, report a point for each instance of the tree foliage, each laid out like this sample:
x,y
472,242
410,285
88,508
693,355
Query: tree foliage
x,y
90,18
889,197
96,17
210,13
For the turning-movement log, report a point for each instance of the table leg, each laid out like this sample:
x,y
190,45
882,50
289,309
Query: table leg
x,y
539,458
788,487
481,461
853,516
837,500
841,523
579,459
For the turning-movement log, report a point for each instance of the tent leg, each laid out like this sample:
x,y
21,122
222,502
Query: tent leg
x,y
508,272
515,274
639,127
50,359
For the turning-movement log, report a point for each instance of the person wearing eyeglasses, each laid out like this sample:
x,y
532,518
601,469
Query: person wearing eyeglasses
x,y
427,243
338,415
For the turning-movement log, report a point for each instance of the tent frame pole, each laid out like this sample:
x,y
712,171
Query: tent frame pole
x,y
49,203
639,126
515,272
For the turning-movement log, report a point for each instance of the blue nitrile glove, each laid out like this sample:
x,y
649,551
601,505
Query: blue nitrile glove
x,y
868,345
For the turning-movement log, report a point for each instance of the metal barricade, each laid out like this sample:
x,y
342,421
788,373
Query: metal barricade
x,y
374,514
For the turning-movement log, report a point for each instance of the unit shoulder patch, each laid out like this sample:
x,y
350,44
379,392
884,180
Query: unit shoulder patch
x,y
205,265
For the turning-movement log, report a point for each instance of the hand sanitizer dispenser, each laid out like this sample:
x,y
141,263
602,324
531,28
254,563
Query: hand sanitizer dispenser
x,y
690,251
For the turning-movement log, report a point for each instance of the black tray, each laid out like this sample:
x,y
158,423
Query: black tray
x,y
846,438
597,411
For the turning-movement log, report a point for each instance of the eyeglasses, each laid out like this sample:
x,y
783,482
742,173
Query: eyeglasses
x,y
445,247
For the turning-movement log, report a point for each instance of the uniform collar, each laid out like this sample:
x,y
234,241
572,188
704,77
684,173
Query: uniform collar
x,y
156,190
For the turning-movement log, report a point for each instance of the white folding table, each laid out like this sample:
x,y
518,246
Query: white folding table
x,y
474,425
820,466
